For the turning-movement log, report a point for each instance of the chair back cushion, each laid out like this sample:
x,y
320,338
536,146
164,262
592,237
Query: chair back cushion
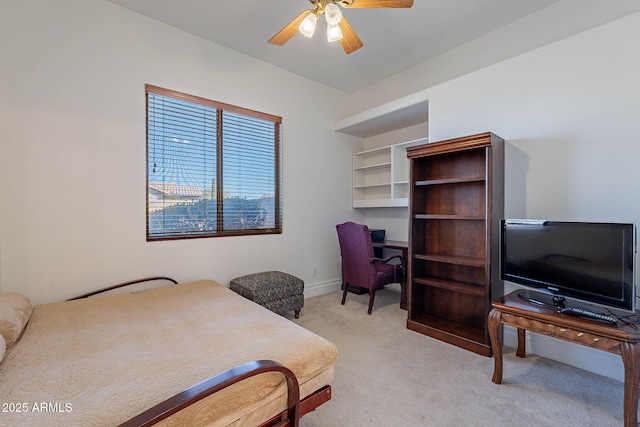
x,y
356,249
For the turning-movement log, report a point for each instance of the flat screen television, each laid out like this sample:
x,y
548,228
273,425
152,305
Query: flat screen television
x,y
590,261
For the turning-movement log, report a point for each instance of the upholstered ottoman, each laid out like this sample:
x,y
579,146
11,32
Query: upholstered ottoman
x,y
279,292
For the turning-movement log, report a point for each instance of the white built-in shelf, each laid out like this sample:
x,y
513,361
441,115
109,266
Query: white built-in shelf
x,y
381,176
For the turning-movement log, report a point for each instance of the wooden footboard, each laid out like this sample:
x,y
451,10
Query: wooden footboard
x,y
307,405
290,417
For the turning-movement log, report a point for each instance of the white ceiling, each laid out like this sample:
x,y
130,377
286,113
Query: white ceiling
x,y
394,39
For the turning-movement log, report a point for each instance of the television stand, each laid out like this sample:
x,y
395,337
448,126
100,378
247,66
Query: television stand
x,y
619,339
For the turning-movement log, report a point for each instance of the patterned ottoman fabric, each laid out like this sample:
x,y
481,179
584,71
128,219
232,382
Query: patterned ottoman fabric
x,y
279,292
294,303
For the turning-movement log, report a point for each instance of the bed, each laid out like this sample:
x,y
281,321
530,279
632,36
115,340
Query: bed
x,y
185,354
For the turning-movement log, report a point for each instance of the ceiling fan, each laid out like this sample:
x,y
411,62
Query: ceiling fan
x,y
338,29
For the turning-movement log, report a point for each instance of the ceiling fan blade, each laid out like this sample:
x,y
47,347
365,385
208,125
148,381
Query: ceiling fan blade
x,y
289,30
362,4
350,41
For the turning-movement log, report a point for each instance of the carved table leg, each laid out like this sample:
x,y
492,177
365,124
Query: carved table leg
x,y
631,360
496,345
521,351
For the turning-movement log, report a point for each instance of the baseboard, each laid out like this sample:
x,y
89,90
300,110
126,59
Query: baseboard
x,y
592,360
321,288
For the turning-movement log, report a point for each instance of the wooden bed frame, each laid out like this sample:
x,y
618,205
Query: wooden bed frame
x,y
296,408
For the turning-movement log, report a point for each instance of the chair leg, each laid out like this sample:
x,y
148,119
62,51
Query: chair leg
x,y
344,293
372,295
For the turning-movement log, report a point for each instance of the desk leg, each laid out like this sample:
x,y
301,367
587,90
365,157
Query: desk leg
x,y
521,351
631,360
496,345
403,283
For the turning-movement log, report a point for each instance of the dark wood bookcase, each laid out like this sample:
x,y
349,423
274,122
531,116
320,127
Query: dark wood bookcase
x,y
456,203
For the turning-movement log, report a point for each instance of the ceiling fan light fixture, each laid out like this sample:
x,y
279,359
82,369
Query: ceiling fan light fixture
x,y
338,29
308,25
332,14
334,33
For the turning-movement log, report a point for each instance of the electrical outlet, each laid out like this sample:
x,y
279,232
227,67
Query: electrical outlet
x,y
314,271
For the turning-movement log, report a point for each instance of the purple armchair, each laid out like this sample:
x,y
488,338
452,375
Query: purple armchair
x,y
359,265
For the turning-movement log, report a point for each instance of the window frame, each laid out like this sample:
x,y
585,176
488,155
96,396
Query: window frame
x,y
220,107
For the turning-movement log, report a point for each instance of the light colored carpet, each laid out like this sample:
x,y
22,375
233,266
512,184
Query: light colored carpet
x,y
387,375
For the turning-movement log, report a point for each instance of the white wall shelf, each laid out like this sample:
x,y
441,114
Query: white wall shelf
x,y
381,176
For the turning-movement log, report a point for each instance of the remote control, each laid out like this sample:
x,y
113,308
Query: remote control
x,y
589,314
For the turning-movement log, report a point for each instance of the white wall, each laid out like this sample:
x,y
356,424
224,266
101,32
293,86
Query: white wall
x,y
569,112
552,23
72,153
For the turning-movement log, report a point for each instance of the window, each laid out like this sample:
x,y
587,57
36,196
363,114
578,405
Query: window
x,y
213,169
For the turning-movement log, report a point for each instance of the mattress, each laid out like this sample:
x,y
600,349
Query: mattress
x,y
103,360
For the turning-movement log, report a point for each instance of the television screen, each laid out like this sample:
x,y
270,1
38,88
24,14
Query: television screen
x,y
591,261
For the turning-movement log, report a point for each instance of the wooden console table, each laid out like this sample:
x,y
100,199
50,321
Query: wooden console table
x,y
619,339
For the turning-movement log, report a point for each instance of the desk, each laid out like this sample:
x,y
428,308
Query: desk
x,y
618,339
404,248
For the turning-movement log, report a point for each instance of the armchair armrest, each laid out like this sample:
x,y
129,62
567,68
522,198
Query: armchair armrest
x,y
387,259
395,270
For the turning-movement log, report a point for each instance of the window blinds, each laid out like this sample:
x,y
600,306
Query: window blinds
x,y
213,169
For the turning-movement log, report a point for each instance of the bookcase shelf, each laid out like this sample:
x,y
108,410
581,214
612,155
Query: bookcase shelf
x,y
447,330
452,259
468,288
449,217
455,202
450,180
